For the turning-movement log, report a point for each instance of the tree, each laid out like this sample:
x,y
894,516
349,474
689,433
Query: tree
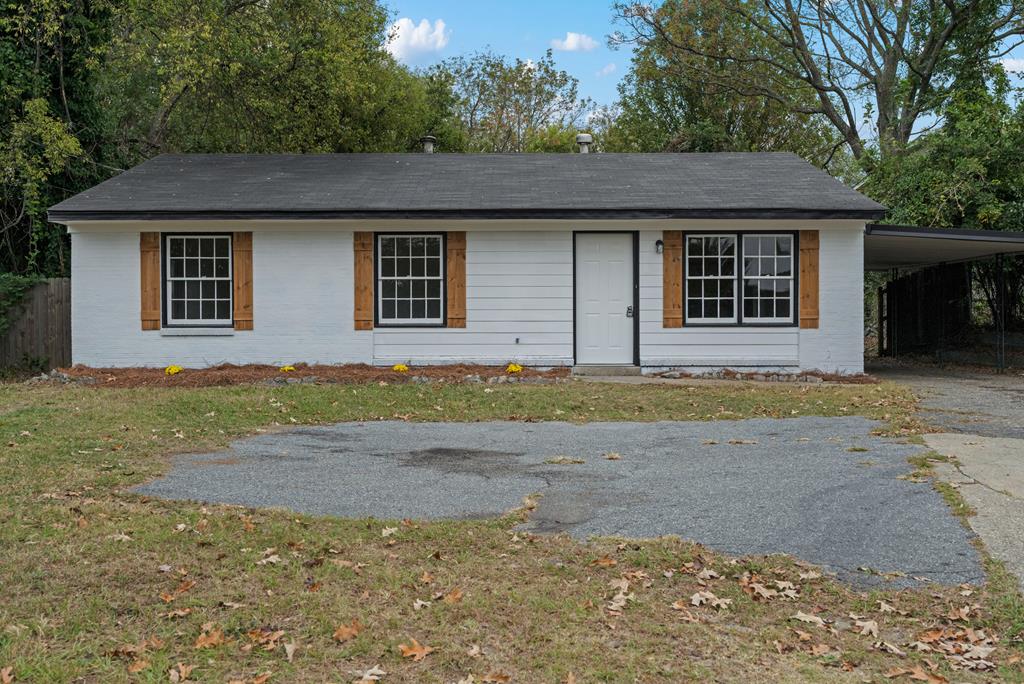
x,y
51,123
967,174
274,76
893,62
513,106
663,106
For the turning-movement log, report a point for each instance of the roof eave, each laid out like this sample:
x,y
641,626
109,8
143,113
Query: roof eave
x,y
65,216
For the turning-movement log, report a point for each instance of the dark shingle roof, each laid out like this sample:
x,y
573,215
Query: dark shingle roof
x,y
725,185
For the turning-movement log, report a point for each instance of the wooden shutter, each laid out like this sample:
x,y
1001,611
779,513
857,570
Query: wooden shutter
x,y
809,242
455,270
672,279
149,253
362,246
241,253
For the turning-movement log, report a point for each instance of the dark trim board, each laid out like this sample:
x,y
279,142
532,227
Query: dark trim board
x,y
462,214
944,233
636,288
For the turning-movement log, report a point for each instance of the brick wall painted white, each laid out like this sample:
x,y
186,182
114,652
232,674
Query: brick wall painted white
x,y
837,346
302,305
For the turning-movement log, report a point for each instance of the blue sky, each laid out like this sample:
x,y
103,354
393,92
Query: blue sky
x,y
512,28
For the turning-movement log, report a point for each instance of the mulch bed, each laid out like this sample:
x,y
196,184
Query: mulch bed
x,y
228,374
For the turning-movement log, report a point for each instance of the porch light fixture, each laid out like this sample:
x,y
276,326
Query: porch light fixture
x,y
659,246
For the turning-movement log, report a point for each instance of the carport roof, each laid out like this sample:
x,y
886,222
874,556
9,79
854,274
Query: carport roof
x,y
887,247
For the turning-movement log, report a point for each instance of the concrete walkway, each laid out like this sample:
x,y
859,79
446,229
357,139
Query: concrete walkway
x,y
989,473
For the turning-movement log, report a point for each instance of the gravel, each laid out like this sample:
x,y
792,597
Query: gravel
x,y
821,489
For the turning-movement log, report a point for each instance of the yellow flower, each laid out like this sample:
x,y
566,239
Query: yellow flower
x,y
513,368
400,368
173,370
287,369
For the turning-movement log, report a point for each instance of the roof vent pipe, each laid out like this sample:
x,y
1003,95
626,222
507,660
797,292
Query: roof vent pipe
x,y
428,144
584,140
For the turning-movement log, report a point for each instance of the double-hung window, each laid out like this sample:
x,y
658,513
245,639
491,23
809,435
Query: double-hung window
x,y
197,286
740,278
410,279
768,278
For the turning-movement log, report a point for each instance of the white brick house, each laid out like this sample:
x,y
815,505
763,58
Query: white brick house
x,y
744,261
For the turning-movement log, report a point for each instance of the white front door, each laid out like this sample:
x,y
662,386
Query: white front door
x,y
604,298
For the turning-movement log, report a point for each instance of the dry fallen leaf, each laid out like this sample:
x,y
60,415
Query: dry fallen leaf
x,y
138,666
388,531
496,678
809,619
348,632
420,604
604,562
7,675
867,628
702,597
453,596
180,672
210,637
415,650
289,650
372,675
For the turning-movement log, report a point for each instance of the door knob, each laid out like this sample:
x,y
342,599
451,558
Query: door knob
x,y
629,312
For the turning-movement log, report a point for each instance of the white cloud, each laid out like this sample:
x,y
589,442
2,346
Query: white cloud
x,y
1013,63
607,69
574,42
411,40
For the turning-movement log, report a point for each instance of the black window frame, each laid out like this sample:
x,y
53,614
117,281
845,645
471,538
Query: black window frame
x,y
393,324
165,303
738,278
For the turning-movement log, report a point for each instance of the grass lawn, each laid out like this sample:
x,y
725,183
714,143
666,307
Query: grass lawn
x,y
101,586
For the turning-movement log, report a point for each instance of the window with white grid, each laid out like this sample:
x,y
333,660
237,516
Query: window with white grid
x,y
768,278
711,278
198,279
410,279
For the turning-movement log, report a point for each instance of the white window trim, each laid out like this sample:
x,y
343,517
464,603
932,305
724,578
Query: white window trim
x,y
380,279
192,322
687,278
791,278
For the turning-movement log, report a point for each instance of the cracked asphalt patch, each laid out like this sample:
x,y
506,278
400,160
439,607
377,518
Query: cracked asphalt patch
x,y
821,489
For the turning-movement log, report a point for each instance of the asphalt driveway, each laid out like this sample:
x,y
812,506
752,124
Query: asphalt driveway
x,y
821,489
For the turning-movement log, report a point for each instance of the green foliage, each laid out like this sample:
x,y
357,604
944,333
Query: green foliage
x,y
13,289
967,174
504,105
668,104
276,76
50,123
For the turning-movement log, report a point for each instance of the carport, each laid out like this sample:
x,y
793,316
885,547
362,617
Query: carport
x,y
926,303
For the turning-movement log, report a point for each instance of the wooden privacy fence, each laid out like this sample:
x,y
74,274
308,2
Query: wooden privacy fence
x,y
41,332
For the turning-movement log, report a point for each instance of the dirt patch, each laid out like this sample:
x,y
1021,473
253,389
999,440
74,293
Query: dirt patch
x,y
229,374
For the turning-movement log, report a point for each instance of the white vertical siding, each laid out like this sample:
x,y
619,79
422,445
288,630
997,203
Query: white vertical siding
x,y
302,305
518,306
